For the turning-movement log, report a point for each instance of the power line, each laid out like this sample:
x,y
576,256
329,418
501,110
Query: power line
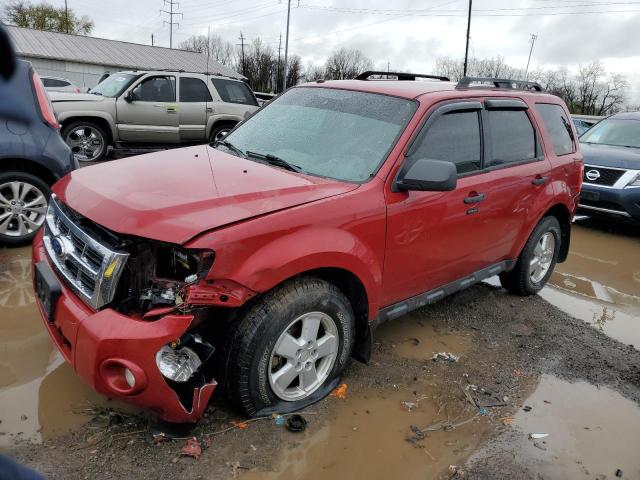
x,y
171,14
233,14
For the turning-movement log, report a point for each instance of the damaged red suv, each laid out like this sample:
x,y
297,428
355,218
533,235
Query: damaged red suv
x,y
263,262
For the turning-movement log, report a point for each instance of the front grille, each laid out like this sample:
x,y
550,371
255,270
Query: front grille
x,y
88,266
601,175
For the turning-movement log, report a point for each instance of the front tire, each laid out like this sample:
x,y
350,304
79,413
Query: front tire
x,y
87,141
288,345
537,260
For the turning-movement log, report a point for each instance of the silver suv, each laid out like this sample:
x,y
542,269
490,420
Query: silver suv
x,y
151,109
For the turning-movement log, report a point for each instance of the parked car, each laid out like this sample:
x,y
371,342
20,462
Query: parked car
x,y
612,168
151,108
32,157
266,260
56,84
264,98
582,125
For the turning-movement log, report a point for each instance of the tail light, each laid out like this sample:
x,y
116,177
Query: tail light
x,y
581,176
44,104
77,90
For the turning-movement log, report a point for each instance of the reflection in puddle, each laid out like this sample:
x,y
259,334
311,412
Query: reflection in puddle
x,y
38,390
600,282
366,438
592,431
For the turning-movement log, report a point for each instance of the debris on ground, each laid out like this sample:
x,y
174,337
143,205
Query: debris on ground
x,y
508,420
408,405
536,436
456,471
618,473
414,341
280,420
235,468
527,408
519,373
449,357
447,426
192,448
296,423
340,391
537,445
159,438
240,425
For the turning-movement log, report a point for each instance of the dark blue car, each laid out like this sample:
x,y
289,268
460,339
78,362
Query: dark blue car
x,y
611,152
32,156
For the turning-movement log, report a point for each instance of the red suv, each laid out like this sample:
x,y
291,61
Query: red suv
x,y
264,260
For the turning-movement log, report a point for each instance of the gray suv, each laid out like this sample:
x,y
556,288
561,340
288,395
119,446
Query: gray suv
x,y
151,109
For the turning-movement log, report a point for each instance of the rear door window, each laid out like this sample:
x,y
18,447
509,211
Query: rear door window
x,y
193,90
453,137
558,125
231,91
511,136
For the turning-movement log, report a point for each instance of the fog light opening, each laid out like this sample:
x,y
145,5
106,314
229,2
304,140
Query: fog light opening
x,y
177,365
130,378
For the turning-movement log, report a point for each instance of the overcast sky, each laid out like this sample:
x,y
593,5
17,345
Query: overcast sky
x,y
409,34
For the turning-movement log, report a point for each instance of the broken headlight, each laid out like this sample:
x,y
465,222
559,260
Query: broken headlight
x,y
178,364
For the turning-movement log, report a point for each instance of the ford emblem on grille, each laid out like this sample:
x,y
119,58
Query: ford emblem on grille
x,y
57,246
593,175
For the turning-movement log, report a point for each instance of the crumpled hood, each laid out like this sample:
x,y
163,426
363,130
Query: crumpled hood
x,y
177,194
56,97
610,156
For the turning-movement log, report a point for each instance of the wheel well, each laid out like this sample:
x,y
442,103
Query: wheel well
x,y
223,123
101,122
28,166
564,218
354,290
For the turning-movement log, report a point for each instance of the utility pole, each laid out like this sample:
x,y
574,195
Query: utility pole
x,y
242,49
66,15
534,37
279,67
466,50
152,39
286,48
171,14
208,47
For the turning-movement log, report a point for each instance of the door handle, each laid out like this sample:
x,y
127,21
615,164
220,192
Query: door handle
x,y
209,109
539,180
474,198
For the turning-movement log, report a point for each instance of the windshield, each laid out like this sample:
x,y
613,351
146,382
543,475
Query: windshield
x,y
114,85
331,133
618,132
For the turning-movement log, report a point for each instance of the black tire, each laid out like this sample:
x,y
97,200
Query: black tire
x,y
518,281
218,129
258,329
25,178
100,134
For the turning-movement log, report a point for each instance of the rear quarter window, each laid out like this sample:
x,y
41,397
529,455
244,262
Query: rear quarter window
x,y
558,125
54,82
512,137
231,91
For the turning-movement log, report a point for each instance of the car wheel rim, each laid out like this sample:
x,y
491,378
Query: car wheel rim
x,y
86,143
542,257
22,209
303,356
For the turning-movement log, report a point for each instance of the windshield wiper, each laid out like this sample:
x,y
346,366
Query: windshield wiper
x,y
231,147
276,161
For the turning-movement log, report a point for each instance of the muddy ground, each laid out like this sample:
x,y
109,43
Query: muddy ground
x,y
525,365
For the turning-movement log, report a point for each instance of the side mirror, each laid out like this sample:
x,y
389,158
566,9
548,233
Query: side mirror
x,y
7,56
427,175
129,97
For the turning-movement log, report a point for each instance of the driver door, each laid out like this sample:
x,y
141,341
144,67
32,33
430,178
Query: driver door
x,y
148,112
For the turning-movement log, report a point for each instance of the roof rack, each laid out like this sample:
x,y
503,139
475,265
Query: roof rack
x,y
400,75
499,83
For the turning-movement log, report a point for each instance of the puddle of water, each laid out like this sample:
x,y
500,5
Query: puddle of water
x,y
414,336
39,392
592,431
366,438
600,282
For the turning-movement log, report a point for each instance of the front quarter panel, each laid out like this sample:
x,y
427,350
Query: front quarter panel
x,y
344,232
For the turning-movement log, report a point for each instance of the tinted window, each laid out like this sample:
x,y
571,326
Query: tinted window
x,y
331,133
193,90
233,92
455,138
557,124
156,89
54,82
512,137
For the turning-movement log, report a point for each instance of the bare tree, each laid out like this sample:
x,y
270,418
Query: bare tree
x,y
218,49
346,63
494,67
43,16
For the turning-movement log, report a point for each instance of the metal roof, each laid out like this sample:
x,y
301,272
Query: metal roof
x,y
132,56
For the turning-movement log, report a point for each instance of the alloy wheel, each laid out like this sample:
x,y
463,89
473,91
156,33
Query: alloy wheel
x,y
86,143
23,208
542,257
303,356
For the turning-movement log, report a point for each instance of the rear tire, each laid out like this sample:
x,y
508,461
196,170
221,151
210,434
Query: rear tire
x,y
537,259
23,206
274,356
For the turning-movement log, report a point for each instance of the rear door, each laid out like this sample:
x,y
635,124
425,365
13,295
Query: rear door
x,y
151,114
194,100
234,98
